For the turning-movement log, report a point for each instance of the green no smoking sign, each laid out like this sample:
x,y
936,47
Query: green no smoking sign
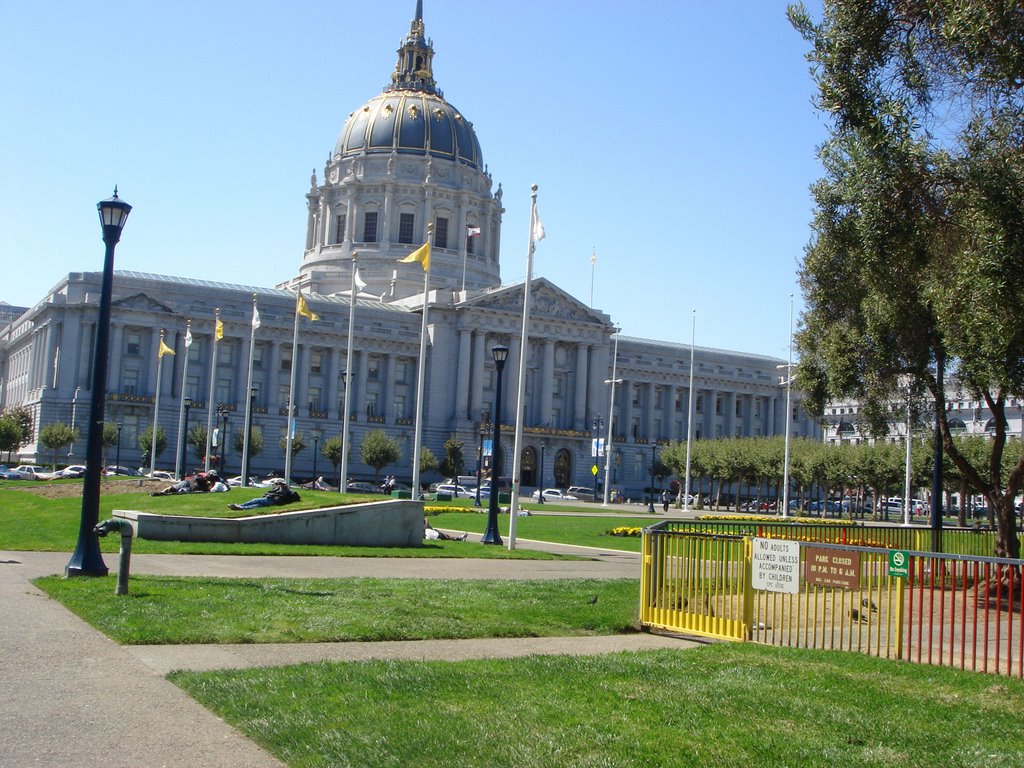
x,y
899,563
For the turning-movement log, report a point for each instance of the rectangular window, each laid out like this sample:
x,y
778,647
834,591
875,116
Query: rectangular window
x,y
699,407
370,227
223,391
373,369
192,387
282,395
130,382
316,362
440,232
739,407
225,354
257,357
406,221
286,361
339,228
718,405
313,398
757,407
399,406
638,466
371,404
133,343
401,373
195,351
635,393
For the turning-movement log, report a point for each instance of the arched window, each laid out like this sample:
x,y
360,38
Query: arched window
x,y
563,468
957,426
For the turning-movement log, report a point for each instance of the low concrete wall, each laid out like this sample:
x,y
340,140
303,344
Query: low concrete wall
x,y
396,523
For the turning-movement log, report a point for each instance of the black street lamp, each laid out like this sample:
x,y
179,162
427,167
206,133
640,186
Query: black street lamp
x,y
485,428
598,423
86,559
491,536
540,476
650,498
182,457
117,461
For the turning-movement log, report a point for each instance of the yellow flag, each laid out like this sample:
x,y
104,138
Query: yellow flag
x,y
421,254
164,349
303,309
219,332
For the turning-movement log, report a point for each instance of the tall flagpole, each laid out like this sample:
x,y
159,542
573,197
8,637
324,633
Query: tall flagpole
x,y
517,453
611,415
178,470
593,261
156,404
213,391
248,394
421,376
789,415
689,413
343,482
289,428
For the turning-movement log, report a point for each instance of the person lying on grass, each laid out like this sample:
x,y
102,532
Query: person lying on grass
x,y
430,532
201,482
278,493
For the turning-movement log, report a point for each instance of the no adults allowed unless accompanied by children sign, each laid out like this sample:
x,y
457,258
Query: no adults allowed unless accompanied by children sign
x,y
775,565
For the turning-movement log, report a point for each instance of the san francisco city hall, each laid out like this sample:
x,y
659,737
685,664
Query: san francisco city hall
x,y
404,158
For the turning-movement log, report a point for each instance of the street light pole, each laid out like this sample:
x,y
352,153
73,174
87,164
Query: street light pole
x,y
689,413
597,424
183,441
224,444
491,535
343,471
484,421
650,498
540,482
611,417
86,559
246,452
117,461
316,445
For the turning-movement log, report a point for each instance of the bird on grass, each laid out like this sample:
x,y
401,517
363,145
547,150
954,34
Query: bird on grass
x,y
869,603
858,616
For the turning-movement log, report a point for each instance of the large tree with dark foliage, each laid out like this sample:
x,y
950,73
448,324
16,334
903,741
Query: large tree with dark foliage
x,y
916,261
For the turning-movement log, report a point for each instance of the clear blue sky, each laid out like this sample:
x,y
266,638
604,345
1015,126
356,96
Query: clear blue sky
x,y
675,138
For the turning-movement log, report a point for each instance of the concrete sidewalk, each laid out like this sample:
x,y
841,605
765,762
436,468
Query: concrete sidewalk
x,y
72,696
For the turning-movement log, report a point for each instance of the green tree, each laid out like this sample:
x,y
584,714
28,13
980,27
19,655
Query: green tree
x,y
453,461
428,461
331,449
914,265
22,417
146,443
298,444
378,450
10,435
255,442
197,439
109,440
57,438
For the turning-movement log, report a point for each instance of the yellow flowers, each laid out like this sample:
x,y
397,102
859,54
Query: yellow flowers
x,y
626,530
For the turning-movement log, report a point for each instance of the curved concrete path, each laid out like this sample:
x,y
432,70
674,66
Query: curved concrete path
x,y
71,696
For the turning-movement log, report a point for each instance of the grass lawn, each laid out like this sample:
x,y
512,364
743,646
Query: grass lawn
x,y
32,518
720,705
174,610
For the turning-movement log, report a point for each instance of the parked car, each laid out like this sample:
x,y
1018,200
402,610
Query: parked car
x,y
159,474
455,490
581,492
6,473
119,470
75,470
255,482
553,494
357,486
33,472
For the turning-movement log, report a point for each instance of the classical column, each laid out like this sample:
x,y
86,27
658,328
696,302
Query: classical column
x,y
357,400
509,413
710,416
729,408
301,380
332,375
462,367
547,382
389,207
625,421
579,411
476,379
650,411
53,333
152,361
387,376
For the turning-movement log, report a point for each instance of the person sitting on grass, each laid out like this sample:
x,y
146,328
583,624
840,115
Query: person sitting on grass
x,y
278,493
196,484
430,532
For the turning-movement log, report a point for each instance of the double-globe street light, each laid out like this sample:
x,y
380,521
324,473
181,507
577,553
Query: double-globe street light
x,y
540,476
491,536
485,429
86,560
183,440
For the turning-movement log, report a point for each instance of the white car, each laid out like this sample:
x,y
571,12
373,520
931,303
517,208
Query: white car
x,y
33,472
75,470
554,494
455,490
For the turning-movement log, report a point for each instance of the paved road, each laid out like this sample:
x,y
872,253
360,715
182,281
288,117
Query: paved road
x,y
73,697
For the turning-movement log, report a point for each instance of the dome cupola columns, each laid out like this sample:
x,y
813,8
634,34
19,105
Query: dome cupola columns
x,y
414,70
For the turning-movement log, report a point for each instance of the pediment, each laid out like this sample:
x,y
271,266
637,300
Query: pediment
x,y
143,303
547,299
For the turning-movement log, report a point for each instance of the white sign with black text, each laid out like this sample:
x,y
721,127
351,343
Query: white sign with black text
x,y
776,566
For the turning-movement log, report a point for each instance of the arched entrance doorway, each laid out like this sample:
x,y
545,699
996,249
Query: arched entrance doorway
x,y
563,468
528,471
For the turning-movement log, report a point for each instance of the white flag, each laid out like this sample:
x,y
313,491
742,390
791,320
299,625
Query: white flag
x,y
538,227
188,338
360,283
255,317
472,231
